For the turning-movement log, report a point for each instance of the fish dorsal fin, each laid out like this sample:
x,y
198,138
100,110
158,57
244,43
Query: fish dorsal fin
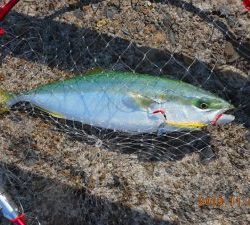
x,y
93,71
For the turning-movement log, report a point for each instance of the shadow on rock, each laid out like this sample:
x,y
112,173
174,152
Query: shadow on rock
x,y
50,202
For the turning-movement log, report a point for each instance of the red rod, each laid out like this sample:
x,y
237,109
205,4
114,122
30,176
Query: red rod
x,y
6,8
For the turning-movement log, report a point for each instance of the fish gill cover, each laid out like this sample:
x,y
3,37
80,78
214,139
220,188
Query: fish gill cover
x,y
65,171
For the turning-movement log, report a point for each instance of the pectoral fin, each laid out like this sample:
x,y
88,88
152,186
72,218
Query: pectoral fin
x,y
137,101
141,101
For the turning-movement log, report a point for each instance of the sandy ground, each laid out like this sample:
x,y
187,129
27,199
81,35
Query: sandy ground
x,y
60,179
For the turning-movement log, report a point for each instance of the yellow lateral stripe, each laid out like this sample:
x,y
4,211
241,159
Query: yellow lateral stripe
x,y
186,124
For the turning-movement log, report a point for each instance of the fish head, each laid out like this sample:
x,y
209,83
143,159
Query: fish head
x,y
198,112
211,110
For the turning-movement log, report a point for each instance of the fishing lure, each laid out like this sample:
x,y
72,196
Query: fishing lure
x,y
10,210
127,102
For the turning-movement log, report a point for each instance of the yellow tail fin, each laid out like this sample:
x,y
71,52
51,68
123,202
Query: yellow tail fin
x,y
4,98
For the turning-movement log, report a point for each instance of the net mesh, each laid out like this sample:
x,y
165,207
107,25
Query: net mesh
x,y
66,172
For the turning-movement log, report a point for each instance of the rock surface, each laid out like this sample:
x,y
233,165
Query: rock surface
x,y
61,180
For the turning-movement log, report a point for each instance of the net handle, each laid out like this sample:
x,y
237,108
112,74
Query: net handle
x,y
247,4
4,10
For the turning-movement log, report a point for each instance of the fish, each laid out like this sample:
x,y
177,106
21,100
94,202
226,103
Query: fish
x,y
127,102
10,210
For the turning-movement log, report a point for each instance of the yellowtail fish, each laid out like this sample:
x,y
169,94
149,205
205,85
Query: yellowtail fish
x,y
127,102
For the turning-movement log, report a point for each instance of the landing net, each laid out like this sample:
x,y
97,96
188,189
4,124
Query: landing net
x,y
78,173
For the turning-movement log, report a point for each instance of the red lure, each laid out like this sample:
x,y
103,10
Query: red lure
x,y
162,111
216,119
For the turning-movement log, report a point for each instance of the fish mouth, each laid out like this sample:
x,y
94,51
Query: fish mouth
x,y
222,118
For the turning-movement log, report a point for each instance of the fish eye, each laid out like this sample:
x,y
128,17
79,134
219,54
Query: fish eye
x,y
203,105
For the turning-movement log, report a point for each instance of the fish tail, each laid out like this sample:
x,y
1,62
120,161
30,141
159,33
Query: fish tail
x,y
5,96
